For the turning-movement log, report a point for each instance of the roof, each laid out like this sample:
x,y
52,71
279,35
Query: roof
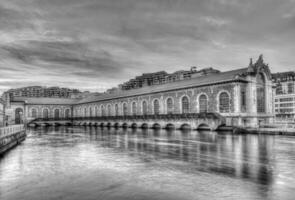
x,y
194,82
45,100
210,79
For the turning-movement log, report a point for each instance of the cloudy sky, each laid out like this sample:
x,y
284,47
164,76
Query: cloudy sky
x,y
97,44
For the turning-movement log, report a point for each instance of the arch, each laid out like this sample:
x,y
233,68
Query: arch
x,y
203,103
116,125
260,93
109,124
19,116
116,110
170,127
203,126
185,104
144,126
133,125
34,113
156,126
125,109
101,124
56,113
144,108
125,125
156,107
134,107
224,102
109,110
45,113
67,113
185,127
169,105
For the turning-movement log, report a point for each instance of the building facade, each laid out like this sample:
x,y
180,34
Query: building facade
x,y
284,95
243,97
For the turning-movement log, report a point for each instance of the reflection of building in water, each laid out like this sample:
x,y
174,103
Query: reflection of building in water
x,y
244,156
242,97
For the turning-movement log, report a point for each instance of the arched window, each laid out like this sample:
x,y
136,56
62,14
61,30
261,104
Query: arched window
x,y
80,112
19,116
224,102
90,112
33,113
116,109
133,108
96,111
144,108
156,107
169,106
109,110
125,109
203,103
103,112
45,113
185,104
56,114
260,87
67,113
85,112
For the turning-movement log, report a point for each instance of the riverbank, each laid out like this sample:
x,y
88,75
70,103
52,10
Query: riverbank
x,y
10,137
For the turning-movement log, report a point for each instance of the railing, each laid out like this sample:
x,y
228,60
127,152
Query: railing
x,y
10,130
139,117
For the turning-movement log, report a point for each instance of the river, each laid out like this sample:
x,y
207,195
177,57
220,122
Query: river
x,y
77,163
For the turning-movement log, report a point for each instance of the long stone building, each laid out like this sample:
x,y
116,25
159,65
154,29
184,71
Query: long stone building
x,y
242,97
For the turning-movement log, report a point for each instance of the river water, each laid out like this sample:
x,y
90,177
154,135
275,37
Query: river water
x,y
76,163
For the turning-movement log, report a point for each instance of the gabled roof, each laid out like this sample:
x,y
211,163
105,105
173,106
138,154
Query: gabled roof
x,y
234,75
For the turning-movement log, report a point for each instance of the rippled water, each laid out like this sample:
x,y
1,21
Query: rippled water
x,y
94,163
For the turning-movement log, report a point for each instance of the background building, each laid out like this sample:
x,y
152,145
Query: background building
x,y
39,91
284,95
162,77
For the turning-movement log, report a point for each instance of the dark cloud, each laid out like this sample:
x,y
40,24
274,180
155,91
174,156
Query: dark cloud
x,y
95,44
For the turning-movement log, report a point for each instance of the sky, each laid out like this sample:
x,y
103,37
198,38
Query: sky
x,y
97,44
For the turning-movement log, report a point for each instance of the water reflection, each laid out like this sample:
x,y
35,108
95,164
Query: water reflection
x,y
202,165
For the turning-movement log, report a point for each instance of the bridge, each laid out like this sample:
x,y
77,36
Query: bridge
x,y
210,121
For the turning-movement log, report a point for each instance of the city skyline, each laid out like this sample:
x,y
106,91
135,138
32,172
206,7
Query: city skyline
x,y
95,45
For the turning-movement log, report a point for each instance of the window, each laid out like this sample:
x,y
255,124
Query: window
x,y
144,108
223,102
103,112
156,107
260,87
290,88
116,110
134,108
125,109
85,112
90,112
203,102
109,110
56,114
34,113
243,101
67,113
169,106
96,111
45,113
185,105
